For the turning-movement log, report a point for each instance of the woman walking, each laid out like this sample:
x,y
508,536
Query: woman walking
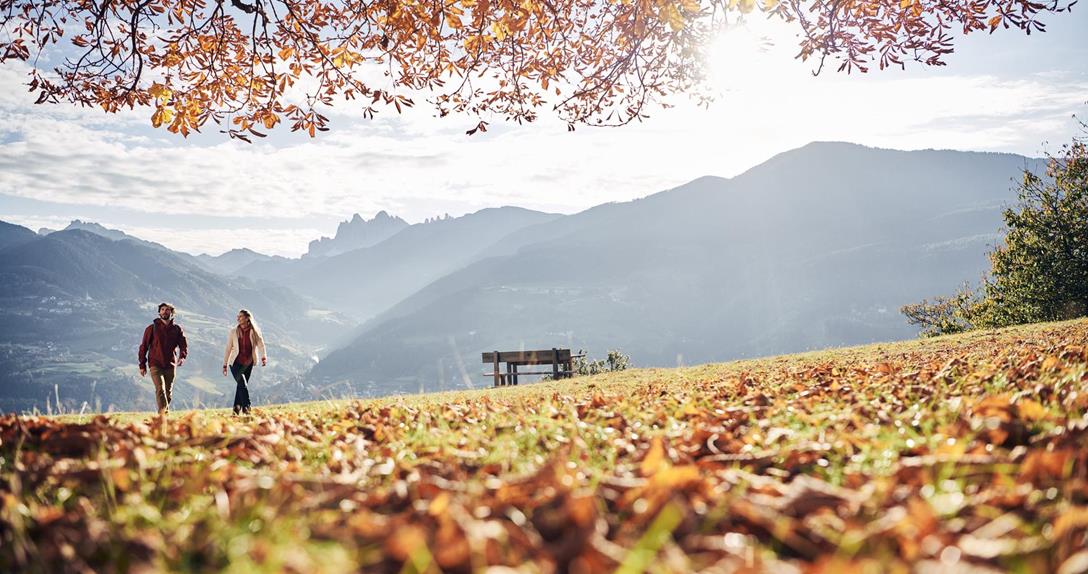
x,y
243,344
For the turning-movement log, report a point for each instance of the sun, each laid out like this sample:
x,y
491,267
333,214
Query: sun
x,y
750,54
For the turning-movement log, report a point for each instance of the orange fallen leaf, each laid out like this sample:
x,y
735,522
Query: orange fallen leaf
x,y
655,459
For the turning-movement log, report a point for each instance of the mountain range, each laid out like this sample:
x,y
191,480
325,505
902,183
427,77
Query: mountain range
x,y
73,305
367,281
233,261
816,247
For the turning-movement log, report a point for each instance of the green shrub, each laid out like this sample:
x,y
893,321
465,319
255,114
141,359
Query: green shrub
x,y
1041,271
615,361
944,315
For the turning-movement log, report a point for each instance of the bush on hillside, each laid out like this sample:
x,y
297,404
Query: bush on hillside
x,y
615,361
1041,271
944,315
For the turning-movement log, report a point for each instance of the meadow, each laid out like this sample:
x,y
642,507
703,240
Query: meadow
x,y
966,453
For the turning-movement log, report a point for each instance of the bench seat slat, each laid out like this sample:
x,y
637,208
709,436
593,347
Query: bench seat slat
x,y
537,357
519,373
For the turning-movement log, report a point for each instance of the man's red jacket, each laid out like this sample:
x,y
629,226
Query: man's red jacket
x,y
160,340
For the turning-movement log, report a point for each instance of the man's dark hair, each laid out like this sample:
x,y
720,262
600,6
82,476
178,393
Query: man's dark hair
x,y
167,305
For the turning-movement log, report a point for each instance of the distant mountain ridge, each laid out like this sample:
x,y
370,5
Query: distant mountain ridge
x,y
224,264
816,247
232,261
11,234
113,235
357,233
97,229
367,281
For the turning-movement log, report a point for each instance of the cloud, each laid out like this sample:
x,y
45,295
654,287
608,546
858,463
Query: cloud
x,y
416,166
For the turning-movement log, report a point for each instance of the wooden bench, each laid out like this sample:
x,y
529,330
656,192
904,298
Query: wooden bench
x,y
559,359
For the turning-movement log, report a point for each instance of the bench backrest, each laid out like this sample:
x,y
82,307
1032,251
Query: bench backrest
x,y
541,357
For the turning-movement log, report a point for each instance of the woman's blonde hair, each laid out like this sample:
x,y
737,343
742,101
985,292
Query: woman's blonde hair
x,y
252,323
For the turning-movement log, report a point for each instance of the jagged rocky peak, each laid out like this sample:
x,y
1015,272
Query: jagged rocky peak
x,y
357,233
97,229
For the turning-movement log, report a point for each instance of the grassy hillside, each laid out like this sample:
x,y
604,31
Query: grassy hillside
x,y
968,453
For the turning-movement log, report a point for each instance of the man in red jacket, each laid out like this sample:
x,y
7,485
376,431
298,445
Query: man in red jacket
x,y
161,338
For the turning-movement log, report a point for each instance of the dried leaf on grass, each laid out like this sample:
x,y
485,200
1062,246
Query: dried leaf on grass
x,y
904,457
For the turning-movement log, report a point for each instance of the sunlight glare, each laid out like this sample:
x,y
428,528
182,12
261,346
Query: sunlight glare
x,y
746,55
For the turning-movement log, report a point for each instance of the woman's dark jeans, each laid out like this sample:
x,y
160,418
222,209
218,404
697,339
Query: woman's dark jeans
x,y
241,394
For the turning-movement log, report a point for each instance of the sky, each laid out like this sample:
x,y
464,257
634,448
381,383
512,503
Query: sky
x,y
1003,92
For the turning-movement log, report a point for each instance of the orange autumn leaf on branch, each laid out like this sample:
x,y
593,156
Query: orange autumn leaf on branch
x,y
248,63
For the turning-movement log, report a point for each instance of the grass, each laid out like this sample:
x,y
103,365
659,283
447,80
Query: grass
x,y
963,450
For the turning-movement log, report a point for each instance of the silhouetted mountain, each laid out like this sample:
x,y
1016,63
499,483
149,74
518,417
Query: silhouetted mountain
x,y
232,261
98,229
74,304
365,282
117,235
11,234
816,247
357,233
